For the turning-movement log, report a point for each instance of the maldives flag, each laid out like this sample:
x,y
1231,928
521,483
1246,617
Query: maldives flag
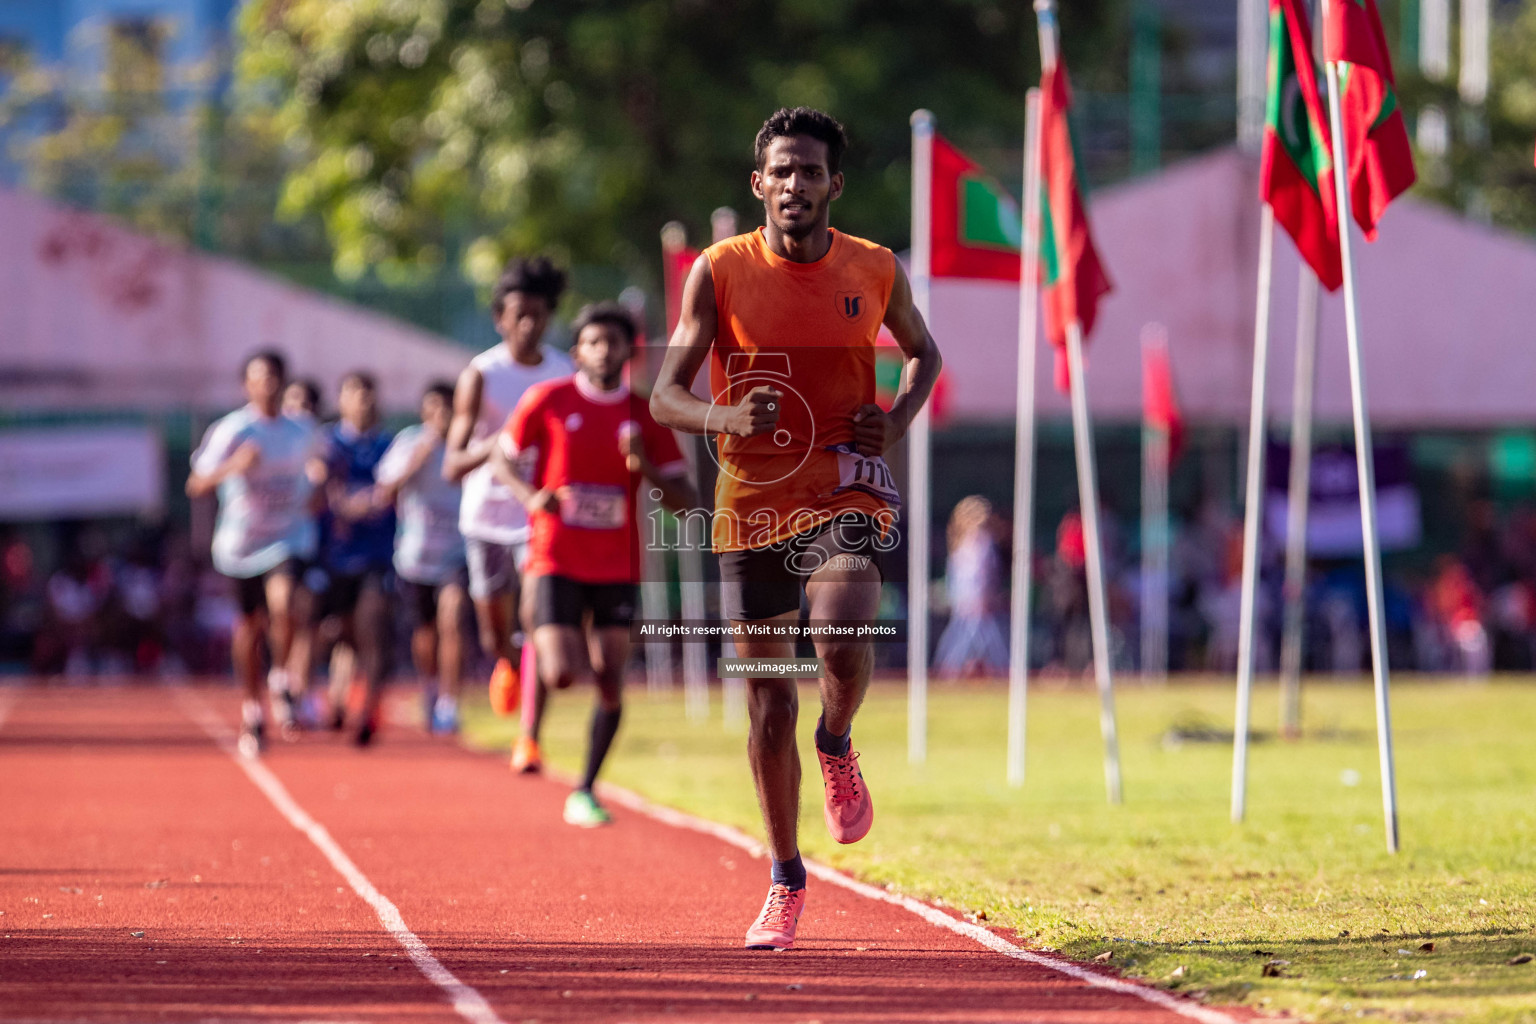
x,y
1380,159
1296,169
1072,278
675,264
1159,402
975,221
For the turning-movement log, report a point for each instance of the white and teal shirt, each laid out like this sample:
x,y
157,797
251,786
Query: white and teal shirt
x,y
264,517
428,546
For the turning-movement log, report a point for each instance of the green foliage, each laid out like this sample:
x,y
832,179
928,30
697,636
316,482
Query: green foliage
x,y
1487,171
468,130
152,144
1165,883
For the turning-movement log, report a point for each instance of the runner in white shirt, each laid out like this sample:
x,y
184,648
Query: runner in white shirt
x,y
494,523
429,553
291,683
255,459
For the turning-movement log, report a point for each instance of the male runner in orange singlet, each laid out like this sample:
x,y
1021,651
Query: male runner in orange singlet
x,y
788,316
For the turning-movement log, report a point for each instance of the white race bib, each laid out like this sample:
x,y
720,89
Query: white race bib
x,y
595,507
867,473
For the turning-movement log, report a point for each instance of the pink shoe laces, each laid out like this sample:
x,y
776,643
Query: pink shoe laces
x,y
779,912
843,777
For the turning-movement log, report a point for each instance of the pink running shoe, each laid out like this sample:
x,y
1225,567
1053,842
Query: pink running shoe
x,y
848,810
775,926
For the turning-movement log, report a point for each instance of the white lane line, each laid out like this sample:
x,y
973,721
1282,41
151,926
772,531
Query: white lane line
x,y
934,916
469,1004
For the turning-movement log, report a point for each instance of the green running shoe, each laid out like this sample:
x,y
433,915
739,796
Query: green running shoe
x,y
583,811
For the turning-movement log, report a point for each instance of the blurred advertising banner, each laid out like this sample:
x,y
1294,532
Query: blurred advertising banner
x,y
1333,518
68,472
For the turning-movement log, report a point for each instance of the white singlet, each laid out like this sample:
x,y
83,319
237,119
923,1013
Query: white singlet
x,y
488,511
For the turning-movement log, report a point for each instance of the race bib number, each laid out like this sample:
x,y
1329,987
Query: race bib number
x,y
867,473
594,507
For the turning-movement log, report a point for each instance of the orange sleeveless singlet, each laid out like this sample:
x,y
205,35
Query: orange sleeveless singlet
x,y
808,330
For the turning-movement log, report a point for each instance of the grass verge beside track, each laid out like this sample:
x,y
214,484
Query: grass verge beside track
x,y
1165,884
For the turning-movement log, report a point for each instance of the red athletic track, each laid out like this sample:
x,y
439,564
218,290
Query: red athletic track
x,y
119,815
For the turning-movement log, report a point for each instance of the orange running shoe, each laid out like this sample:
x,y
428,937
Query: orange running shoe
x,y
506,688
848,810
526,757
775,926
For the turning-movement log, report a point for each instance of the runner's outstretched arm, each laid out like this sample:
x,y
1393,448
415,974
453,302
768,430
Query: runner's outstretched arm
x,y
534,499
463,454
874,429
673,403
241,460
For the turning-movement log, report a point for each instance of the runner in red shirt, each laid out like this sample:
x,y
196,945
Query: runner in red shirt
x,y
574,452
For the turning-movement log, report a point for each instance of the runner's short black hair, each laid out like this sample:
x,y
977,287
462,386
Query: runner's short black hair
x,y
310,388
535,275
362,379
606,313
442,389
272,357
803,121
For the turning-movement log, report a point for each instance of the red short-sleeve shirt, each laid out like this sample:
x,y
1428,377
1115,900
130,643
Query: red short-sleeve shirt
x,y
565,436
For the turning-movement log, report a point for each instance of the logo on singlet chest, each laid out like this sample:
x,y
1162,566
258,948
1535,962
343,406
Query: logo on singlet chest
x,y
850,305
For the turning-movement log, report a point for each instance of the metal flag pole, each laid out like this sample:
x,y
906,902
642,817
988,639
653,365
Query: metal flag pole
x,y
1156,454
733,692
1087,485
919,440
1253,516
1098,610
1024,444
690,557
1298,489
654,604
1363,464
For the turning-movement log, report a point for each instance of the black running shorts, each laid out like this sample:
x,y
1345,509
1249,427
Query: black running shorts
x,y
761,583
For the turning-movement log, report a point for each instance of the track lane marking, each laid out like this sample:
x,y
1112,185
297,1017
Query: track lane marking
x,y
466,1001
934,916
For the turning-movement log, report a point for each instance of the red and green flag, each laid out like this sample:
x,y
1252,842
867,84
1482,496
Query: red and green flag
x,y
975,221
675,265
1296,163
1159,400
1071,276
1380,159
976,227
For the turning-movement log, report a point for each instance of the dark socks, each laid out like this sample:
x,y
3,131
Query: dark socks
x,y
605,724
789,873
827,743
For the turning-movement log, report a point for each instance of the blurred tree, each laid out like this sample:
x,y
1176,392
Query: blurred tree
x,y
1486,170
152,144
435,131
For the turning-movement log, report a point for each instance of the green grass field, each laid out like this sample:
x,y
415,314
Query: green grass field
x,y
1165,883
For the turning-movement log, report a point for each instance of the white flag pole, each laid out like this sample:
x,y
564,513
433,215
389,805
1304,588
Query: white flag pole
x,y
1364,465
1087,484
654,604
690,558
1297,501
733,692
1253,516
1155,455
1024,443
1098,611
918,443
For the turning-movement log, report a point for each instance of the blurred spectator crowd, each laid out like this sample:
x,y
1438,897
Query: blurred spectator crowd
x,y
1467,613
145,604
